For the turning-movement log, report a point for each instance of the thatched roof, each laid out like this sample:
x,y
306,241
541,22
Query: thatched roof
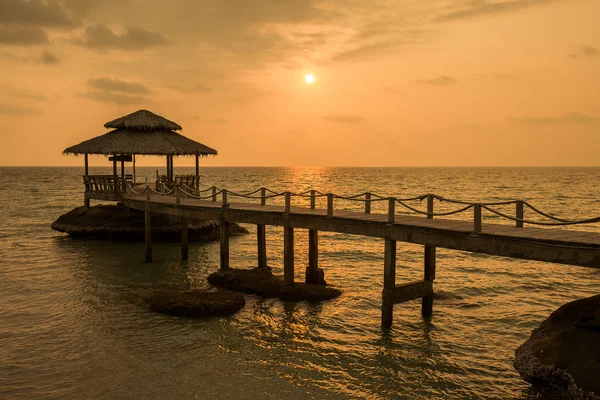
x,y
142,120
145,142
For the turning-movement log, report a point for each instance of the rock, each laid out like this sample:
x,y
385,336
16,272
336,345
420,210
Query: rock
x,y
562,356
262,282
315,276
118,222
196,304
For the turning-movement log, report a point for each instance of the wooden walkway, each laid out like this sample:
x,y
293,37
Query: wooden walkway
x,y
528,243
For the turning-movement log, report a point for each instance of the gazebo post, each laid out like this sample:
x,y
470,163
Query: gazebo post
x,y
86,198
171,164
168,170
123,166
114,165
197,172
133,178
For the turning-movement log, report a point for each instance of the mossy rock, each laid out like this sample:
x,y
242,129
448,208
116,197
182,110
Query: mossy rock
x,y
120,223
197,304
262,282
562,356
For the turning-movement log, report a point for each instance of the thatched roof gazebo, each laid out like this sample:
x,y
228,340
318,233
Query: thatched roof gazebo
x,y
141,133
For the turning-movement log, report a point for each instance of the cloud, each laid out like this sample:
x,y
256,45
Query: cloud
x,y
36,13
117,85
585,52
17,109
483,7
49,58
194,88
30,95
573,118
116,98
101,38
22,35
343,119
442,80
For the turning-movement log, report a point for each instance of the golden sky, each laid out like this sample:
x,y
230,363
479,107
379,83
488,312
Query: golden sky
x,y
398,82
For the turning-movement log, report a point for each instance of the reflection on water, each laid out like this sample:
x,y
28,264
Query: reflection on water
x,y
73,323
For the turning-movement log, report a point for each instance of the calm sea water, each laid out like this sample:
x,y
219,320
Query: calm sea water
x,y
72,323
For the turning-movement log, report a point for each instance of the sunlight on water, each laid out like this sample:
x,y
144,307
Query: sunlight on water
x,y
73,325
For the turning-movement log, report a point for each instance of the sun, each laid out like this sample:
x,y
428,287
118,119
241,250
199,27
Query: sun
x,y
309,79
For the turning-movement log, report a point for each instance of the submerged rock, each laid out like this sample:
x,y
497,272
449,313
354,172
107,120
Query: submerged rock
x,y
197,304
562,356
262,282
117,222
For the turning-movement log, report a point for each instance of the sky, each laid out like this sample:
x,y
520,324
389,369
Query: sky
x,y
397,82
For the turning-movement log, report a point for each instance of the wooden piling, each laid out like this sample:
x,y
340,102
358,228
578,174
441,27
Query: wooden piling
x,y
430,206
261,235
367,203
148,234
391,210
389,283
184,238
313,249
288,254
224,244
329,204
429,264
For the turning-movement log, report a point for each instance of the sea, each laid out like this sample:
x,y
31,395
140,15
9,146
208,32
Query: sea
x,y
73,323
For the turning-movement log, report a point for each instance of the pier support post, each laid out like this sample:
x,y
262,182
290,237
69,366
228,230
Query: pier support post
x,y
429,263
389,283
261,236
224,244
148,234
184,238
313,274
288,254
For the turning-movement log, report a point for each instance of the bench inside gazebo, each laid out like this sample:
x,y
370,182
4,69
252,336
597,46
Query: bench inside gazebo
x,y
140,133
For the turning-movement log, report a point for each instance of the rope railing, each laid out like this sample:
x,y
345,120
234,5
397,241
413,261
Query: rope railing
x,y
369,198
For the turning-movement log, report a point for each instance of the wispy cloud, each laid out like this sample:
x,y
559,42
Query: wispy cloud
x,y
585,52
193,88
36,13
17,109
442,80
116,98
573,118
343,119
101,38
50,58
483,7
117,85
22,35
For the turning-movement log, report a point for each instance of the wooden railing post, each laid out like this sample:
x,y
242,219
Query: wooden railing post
x,y
519,213
263,196
329,204
177,194
477,218
214,193
288,202
368,203
224,198
430,206
312,199
391,210
147,193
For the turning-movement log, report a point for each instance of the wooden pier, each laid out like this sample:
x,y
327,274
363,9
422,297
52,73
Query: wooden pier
x,y
425,228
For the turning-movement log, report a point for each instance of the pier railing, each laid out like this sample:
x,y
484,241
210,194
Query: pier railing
x,y
263,195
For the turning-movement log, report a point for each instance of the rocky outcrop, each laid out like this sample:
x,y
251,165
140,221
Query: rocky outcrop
x,y
197,304
562,356
262,282
117,222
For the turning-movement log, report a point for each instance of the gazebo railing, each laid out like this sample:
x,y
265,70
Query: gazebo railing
x,y
105,185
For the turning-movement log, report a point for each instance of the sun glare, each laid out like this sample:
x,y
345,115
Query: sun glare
x,y
309,79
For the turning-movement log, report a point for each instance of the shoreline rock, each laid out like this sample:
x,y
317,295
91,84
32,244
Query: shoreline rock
x,y
196,304
562,356
262,282
117,222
